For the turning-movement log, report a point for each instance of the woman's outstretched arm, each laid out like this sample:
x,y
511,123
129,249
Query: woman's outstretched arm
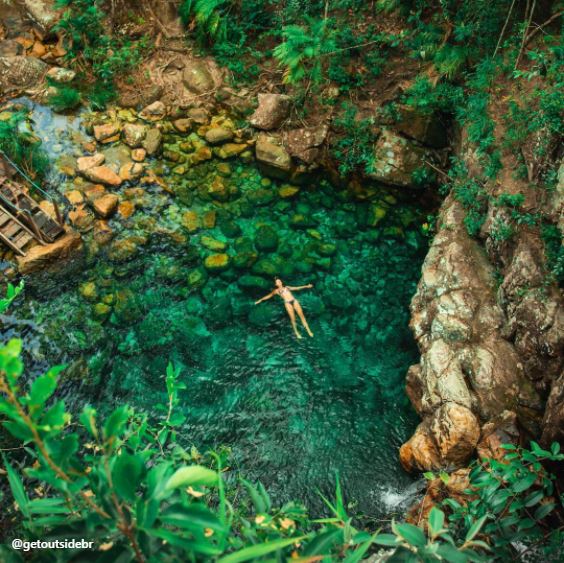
x,y
297,288
271,294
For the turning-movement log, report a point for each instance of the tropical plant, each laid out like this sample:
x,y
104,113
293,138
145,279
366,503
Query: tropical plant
x,y
63,98
12,292
19,144
303,49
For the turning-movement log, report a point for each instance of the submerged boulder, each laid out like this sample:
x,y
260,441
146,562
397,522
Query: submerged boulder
x,y
217,262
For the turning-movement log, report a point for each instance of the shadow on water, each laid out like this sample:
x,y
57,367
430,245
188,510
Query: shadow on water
x,y
293,412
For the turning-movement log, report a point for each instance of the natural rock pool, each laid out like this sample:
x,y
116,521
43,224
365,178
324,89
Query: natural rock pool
x,y
292,412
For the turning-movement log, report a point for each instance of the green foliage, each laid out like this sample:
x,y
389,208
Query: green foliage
x,y
303,48
11,293
554,251
209,16
21,146
87,40
64,98
127,483
354,148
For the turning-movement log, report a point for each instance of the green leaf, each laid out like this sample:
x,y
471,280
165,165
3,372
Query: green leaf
x,y
260,550
192,475
16,485
44,386
475,528
524,483
389,540
555,448
19,430
358,554
544,510
256,498
88,420
115,423
411,534
429,475
126,475
534,498
324,542
205,548
55,417
193,517
451,554
436,520
48,506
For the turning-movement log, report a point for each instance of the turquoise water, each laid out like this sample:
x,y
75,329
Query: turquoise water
x,y
293,412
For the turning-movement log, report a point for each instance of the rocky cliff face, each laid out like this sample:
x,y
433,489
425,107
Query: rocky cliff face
x,y
487,346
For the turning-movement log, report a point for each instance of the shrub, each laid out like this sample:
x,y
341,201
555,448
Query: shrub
x,y
64,98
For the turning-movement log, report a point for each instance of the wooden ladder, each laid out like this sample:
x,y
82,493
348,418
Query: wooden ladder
x,y
21,218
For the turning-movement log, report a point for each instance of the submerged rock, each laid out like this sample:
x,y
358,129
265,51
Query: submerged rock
x,y
106,205
217,262
266,238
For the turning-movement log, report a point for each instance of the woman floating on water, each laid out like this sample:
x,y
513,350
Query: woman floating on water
x,y
290,302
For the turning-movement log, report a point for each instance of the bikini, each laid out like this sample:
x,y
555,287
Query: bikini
x,y
281,293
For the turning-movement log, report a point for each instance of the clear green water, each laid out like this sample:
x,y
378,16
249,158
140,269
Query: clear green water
x,y
293,412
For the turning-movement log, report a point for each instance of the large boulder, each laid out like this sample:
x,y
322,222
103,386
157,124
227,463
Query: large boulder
x,y
84,163
398,160
305,143
39,257
425,128
272,110
197,77
42,12
21,73
466,361
273,157
447,439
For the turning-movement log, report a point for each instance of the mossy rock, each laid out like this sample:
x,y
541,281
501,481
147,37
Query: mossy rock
x,y
377,213
287,191
245,259
260,197
197,278
300,221
126,308
216,263
102,311
229,228
264,315
254,283
266,238
327,249
88,291
209,219
191,221
212,244
265,267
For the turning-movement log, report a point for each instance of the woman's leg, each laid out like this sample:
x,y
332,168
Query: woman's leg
x,y
300,312
292,316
